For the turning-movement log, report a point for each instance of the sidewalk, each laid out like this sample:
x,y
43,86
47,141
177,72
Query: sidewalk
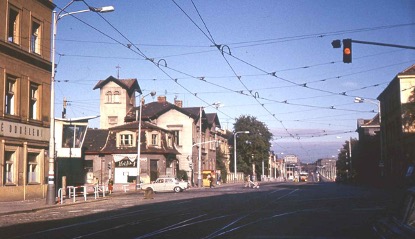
x,y
32,205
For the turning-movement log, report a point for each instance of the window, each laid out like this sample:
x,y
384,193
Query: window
x,y
108,97
13,27
112,120
9,174
126,140
35,37
33,104
10,95
169,141
176,137
154,139
33,173
117,95
73,136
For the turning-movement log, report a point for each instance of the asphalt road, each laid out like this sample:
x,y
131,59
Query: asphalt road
x,y
275,210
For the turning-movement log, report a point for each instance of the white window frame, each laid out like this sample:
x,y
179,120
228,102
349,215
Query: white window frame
x,y
126,139
33,167
108,97
34,101
116,97
10,167
10,95
155,139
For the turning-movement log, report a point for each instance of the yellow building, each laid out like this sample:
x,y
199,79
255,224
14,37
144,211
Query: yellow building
x,y
24,97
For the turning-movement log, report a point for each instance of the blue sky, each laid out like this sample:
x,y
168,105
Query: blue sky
x,y
277,63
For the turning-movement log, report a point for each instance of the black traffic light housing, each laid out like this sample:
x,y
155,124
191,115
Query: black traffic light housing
x,y
347,50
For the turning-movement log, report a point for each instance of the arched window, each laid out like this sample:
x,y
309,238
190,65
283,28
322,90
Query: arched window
x,y
117,95
108,97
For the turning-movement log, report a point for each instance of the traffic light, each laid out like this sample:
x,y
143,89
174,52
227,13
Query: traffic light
x,y
347,50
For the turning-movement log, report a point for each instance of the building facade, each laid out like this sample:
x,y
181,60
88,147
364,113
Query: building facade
x,y
117,97
24,97
398,126
367,153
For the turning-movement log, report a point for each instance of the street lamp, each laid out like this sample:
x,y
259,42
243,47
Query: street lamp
x,y
50,198
234,151
153,93
377,103
199,165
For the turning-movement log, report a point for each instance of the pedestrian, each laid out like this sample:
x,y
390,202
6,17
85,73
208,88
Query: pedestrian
x,y
110,185
209,177
247,179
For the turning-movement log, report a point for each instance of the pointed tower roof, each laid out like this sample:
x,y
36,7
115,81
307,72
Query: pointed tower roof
x,y
129,85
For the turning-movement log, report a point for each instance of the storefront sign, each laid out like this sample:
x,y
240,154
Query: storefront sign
x,y
125,163
23,131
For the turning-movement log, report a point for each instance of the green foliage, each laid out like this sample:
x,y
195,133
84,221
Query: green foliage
x,y
181,174
220,164
344,162
254,147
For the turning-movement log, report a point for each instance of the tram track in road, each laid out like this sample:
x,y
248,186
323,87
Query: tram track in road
x,y
209,213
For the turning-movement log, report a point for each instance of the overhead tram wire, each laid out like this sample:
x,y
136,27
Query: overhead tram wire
x,y
232,69
146,58
130,45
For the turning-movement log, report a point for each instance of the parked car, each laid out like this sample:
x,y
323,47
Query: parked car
x,y
402,224
166,184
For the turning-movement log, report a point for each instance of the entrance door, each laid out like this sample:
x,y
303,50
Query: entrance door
x,y
153,169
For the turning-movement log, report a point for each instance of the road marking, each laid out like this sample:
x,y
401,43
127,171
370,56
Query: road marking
x,y
74,211
368,209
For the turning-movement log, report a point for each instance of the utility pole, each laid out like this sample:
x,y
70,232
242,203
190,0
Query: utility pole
x,y
64,108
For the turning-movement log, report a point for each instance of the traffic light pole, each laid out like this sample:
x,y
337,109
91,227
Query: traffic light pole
x,y
383,44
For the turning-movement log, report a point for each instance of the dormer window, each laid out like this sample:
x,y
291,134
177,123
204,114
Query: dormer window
x,y
155,139
126,140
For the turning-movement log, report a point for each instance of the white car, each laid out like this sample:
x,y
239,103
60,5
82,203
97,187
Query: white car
x,y
166,184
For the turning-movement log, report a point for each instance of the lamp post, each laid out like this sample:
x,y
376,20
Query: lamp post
x,y
234,151
50,198
199,164
377,103
153,93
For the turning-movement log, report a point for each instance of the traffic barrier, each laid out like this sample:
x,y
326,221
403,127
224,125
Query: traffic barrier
x,y
60,196
72,192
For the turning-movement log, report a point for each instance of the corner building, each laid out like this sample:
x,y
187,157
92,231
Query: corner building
x,y
25,74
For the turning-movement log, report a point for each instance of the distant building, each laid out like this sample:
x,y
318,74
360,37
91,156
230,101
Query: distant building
x,y
25,30
367,152
185,123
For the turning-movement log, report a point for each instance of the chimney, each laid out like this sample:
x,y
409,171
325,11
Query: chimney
x,y
178,103
161,99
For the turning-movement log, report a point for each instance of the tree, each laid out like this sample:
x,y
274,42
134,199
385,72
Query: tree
x,y
254,147
220,164
344,162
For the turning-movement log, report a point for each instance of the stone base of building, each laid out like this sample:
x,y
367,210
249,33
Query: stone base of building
x,y
21,193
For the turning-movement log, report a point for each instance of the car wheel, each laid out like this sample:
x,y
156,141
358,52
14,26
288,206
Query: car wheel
x,y
177,189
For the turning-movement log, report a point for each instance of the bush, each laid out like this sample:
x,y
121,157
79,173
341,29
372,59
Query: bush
x,y
181,174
